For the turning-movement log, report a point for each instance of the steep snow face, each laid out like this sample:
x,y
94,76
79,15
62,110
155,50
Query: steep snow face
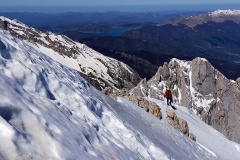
x,y
47,111
224,13
101,71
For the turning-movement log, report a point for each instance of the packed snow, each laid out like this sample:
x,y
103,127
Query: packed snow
x,y
47,111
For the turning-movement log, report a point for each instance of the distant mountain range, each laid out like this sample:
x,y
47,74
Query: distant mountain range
x,y
39,20
213,35
216,16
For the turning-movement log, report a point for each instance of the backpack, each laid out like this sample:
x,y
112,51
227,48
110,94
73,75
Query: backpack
x,y
168,93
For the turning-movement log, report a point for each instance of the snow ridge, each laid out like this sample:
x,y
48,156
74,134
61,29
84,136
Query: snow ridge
x,y
100,70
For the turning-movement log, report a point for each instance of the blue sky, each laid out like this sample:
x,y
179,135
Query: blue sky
x,y
109,2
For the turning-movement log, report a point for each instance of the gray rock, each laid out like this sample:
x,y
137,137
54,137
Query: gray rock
x,y
192,136
146,105
183,126
165,71
141,89
179,123
203,76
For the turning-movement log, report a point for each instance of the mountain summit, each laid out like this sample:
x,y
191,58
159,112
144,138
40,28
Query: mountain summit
x,y
199,86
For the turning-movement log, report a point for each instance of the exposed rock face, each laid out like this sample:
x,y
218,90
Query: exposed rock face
x,y
99,70
197,85
140,89
179,124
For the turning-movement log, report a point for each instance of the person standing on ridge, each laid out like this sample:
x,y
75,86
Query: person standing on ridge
x,y
168,95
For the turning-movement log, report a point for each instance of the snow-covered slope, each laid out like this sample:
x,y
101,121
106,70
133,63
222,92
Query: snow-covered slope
x,y
47,111
215,16
101,71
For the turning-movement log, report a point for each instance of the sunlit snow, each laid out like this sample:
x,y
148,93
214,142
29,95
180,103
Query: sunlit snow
x,y
47,111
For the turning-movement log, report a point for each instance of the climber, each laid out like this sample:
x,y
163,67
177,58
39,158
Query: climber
x,y
168,95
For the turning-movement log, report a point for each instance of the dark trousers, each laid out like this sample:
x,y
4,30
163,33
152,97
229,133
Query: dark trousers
x,y
169,100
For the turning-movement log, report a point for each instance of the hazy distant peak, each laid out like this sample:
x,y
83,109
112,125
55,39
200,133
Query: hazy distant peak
x,y
215,16
228,12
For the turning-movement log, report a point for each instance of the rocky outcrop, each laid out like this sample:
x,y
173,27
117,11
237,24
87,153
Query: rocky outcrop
x,y
148,106
121,93
101,71
198,85
192,136
179,124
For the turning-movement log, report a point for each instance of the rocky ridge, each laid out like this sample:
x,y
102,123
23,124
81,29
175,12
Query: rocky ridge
x,y
99,70
198,85
139,99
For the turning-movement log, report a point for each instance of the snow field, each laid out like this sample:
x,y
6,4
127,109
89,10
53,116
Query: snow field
x,y
52,113
47,111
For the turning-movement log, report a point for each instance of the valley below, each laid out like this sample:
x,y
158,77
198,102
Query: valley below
x,y
217,42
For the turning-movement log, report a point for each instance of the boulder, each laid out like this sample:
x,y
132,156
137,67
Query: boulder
x,y
179,123
183,126
192,136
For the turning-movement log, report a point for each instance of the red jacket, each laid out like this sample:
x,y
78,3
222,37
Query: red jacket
x,y
168,94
